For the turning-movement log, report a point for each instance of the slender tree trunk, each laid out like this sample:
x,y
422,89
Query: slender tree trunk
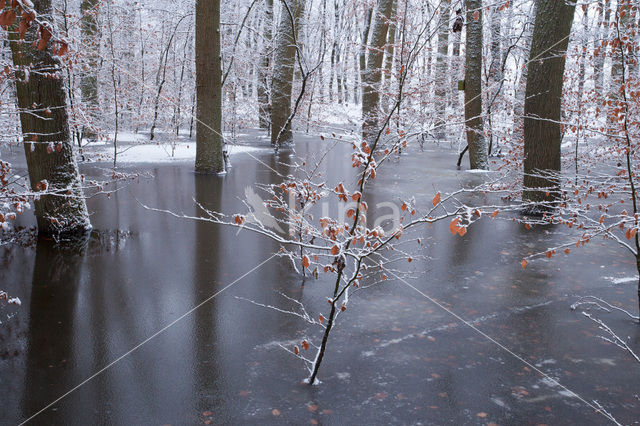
x,y
365,45
265,68
543,100
495,68
390,50
188,41
476,141
209,139
456,67
372,77
284,64
604,28
45,128
90,32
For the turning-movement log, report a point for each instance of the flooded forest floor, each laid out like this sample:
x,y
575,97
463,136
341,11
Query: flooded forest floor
x,y
395,358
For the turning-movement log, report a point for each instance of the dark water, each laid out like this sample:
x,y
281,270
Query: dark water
x,y
396,358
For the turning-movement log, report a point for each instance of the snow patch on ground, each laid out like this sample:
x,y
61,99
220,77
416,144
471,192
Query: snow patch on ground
x,y
622,280
164,153
479,171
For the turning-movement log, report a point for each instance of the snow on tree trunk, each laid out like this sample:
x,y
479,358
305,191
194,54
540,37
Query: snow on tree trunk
x,y
41,95
543,99
209,140
283,70
603,30
372,76
263,75
442,92
478,149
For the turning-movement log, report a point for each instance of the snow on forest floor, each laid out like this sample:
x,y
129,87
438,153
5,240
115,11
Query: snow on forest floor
x,y
136,148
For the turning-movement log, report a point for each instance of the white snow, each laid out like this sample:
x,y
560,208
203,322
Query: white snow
x,y
479,171
622,280
162,153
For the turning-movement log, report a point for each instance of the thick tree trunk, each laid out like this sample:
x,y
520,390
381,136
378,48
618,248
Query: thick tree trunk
x,y
264,69
284,63
209,140
442,73
372,77
543,100
478,150
90,30
45,128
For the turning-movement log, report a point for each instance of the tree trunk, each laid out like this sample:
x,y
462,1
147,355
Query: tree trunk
x,y
209,140
603,30
442,74
45,128
284,64
543,100
364,46
476,141
264,69
390,51
90,31
372,76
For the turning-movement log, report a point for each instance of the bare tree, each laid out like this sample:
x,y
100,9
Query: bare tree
x,y
209,139
286,50
478,150
543,101
372,77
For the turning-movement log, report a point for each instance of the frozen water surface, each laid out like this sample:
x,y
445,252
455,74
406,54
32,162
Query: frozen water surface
x,y
396,357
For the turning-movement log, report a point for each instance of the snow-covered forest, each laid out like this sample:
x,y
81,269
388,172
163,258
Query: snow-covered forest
x,y
313,193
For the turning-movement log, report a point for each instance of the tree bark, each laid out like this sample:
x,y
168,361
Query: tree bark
x,y
209,139
45,127
264,69
478,150
442,75
543,100
284,63
372,77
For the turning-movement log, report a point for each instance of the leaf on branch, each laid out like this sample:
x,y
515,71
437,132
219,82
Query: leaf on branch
x,y
321,318
335,250
524,263
495,213
7,18
305,261
453,226
45,36
305,345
